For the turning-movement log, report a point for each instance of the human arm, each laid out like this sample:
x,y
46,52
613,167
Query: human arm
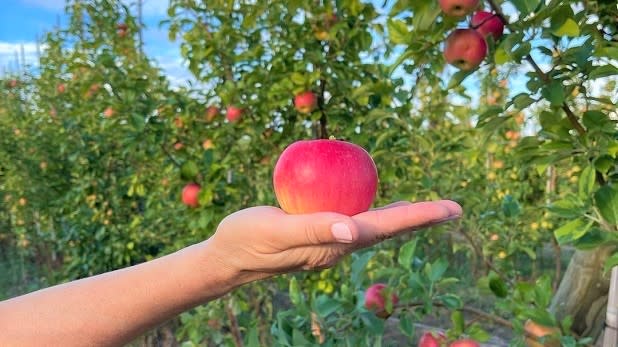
x,y
112,309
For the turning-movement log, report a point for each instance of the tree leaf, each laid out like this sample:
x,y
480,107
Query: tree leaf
x,y
606,200
568,28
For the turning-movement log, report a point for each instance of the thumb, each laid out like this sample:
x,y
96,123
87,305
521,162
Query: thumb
x,y
319,228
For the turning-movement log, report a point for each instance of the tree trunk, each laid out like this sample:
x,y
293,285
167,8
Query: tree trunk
x,y
583,292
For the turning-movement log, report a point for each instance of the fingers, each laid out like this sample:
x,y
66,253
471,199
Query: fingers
x,y
381,224
318,229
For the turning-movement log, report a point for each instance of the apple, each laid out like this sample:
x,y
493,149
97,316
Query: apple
x,y
61,88
109,112
305,102
429,339
122,29
465,49
325,176
207,144
465,343
458,8
233,114
178,145
13,83
535,330
487,23
178,123
190,194
211,113
375,300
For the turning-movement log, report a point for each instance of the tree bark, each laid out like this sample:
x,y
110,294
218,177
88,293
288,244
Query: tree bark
x,y
583,292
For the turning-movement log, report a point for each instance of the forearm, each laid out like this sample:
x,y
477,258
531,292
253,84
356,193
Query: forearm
x,y
114,308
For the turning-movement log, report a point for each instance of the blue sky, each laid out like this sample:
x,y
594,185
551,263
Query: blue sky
x,y
23,21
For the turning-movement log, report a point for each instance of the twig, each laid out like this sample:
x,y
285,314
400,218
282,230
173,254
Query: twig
x,y
323,132
170,156
238,341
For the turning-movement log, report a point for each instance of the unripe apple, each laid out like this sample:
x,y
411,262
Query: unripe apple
x,y
430,339
375,300
487,23
190,194
465,343
458,8
211,113
233,114
305,102
465,49
325,176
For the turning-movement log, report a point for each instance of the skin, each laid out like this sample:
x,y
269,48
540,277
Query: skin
x,y
465,49
114,308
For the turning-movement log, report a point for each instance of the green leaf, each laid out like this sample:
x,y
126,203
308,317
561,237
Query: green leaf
x,y
603,71
398,31
294,292
358,266
406,254
436,270
459,323
522,101
451,301
572,231
498,287
568,28
476,332
554,93
606,200
406,325
610,263
325,305
586,182
526,6
459,77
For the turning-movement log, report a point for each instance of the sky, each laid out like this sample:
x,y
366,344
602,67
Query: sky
x,y
22,21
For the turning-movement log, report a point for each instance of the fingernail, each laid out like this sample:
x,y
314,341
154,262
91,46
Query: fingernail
x,y
341,232
449,218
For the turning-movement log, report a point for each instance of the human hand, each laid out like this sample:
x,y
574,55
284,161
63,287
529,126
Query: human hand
x,y
263,241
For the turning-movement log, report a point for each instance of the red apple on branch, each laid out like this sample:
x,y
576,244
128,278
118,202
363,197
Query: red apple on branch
x,y
305,102
465,49
458,8
211,113
325,176
375,300
60,88
465,343
233,114
430,339
487,23
190,194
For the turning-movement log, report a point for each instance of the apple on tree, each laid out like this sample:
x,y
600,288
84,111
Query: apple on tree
x,y
108,112
465,343
305,102
211,113
487,23
60,88
325,176
465,49
375,300
429,339
190,194
233,114
458,8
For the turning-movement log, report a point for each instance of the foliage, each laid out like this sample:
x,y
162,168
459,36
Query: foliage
x,y
96,145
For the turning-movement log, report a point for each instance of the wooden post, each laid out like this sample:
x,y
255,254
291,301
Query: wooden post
x,y
611,322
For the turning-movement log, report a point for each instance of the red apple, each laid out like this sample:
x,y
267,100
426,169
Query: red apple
x,y
61,88
13,83
211,113
487,23
233,114
375,300
465,343
305,102
465,49
458,8
325,176
190,194
109,112
430,339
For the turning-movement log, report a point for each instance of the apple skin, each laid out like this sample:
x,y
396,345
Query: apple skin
x,y
109,112
233,114
375,300
465,49
458,8
305,102
61,88
465,343
190,194
325,176
211,113
430,340
487,23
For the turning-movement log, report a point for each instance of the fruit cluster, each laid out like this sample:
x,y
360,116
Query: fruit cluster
x,y
466,48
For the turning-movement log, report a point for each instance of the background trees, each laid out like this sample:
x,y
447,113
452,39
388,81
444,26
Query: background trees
x,y
96,147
